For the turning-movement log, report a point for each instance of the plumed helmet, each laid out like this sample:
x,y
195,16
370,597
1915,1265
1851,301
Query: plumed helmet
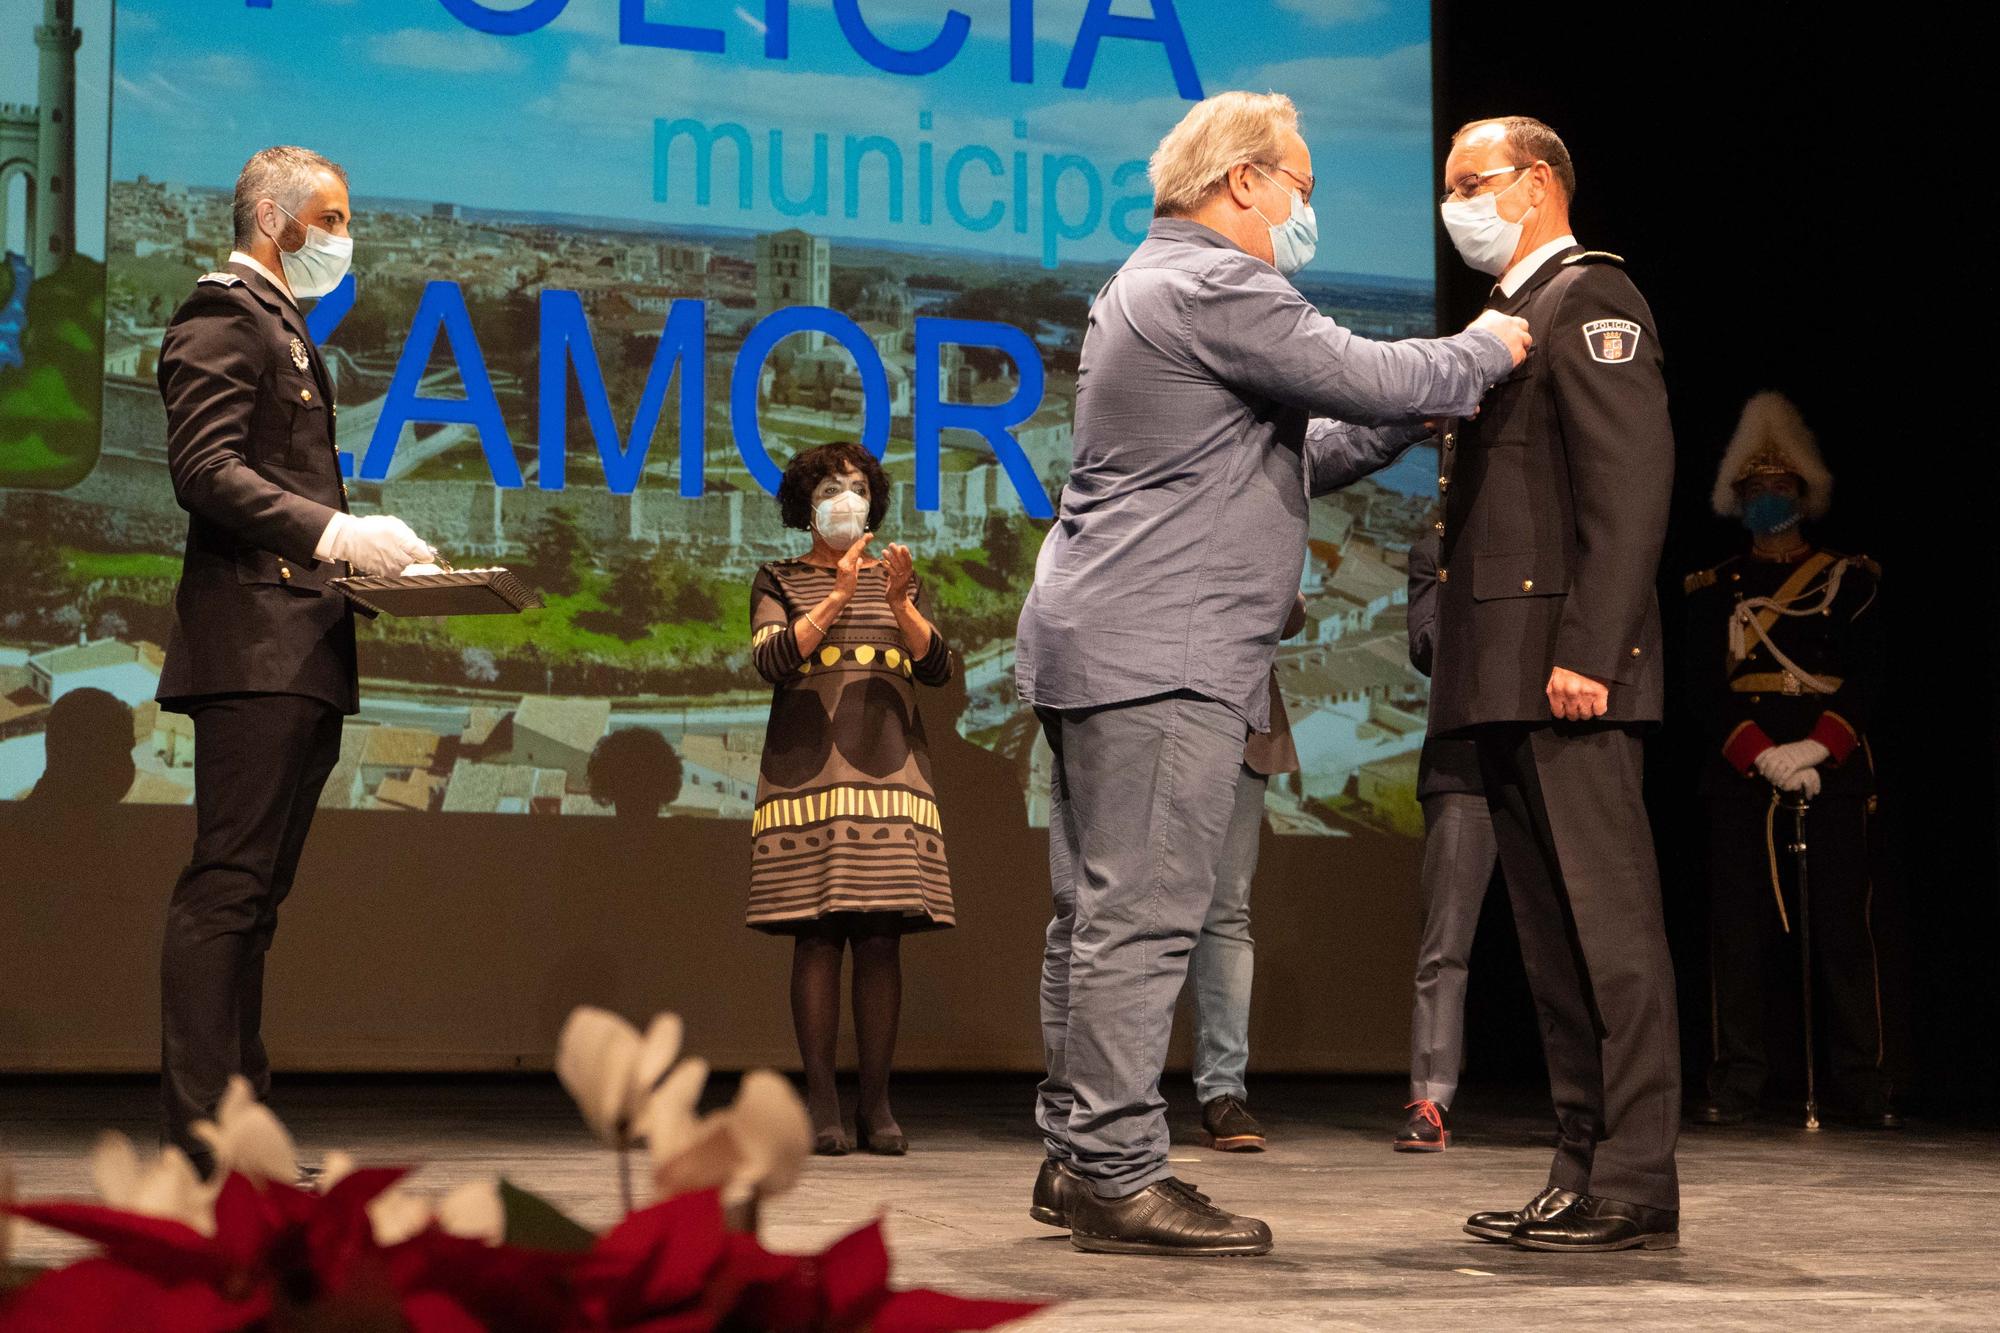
x,y
1772,439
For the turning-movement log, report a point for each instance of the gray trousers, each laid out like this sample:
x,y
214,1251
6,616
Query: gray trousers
x,y
1459,856
1140,805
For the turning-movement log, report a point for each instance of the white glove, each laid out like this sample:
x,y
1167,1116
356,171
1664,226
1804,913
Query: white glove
x,y
1780,762
1804,781
375,545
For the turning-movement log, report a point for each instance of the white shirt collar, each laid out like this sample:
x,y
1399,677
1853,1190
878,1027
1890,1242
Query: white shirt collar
x,y
1534,259
238,257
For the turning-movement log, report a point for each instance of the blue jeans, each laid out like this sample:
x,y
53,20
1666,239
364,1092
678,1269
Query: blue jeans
x,y
1225,955
1140,802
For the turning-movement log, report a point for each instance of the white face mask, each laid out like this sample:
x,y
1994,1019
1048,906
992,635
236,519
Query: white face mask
x,y
1483,238
842,519
316,268
1293,240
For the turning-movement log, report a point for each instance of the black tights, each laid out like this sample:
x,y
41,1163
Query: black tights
x,y
876,938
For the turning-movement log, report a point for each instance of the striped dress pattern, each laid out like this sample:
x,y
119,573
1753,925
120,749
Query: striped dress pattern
x,y
847,817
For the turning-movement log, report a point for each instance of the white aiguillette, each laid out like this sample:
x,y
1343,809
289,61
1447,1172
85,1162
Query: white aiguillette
x,y
440,590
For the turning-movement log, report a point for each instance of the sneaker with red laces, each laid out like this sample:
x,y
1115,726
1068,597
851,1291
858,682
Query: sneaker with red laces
x,y
1424,1131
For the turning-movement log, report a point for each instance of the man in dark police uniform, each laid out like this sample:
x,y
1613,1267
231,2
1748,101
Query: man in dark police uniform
x,y
262,650
1548,655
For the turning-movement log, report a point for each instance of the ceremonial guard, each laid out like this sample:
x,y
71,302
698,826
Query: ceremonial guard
x,y
1785,657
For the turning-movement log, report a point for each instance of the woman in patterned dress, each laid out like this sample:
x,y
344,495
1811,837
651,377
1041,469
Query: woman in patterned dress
x,y
848,851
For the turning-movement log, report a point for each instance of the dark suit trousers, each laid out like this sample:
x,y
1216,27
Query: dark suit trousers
x,y
260,762
1755,961
1577,855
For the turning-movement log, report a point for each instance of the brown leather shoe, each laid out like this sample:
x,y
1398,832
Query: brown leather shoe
x,y
1501,1226
1166,1218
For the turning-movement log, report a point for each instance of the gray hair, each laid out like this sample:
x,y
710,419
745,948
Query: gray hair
x,y
283,174
1216,135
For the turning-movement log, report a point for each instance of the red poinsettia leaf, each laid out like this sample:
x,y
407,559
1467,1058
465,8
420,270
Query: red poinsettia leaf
x,y
435,1312
778,1291
339,1234
657,1259
936,1312
156,1246
503,1287
244,1222
854,1274
104,1296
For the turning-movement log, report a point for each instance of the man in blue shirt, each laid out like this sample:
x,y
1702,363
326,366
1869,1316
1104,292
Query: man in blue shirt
x,y
1213,401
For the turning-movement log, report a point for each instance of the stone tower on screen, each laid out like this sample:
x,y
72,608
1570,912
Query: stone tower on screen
x,y
39,143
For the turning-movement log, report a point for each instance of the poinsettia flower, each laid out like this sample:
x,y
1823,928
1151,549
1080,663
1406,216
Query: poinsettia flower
x,y
247,1139
167,1186
398,1213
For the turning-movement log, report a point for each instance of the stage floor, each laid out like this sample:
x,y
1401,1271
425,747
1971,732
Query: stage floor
x,y
1781,1228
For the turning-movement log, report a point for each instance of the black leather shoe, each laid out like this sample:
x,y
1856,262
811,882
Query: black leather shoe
x,y
1501,1226
1228,1126
1719,1111
1168,1218
1595,1224
1424,1131
1055,1186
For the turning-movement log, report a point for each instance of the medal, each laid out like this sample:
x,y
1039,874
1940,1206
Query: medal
x,y
299,357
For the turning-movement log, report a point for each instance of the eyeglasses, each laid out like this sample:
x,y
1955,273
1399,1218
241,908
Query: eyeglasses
x,y
1306,184
1469,184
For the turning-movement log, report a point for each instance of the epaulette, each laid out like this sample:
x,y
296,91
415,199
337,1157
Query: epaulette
x,y
1706,578
220,280
1594,257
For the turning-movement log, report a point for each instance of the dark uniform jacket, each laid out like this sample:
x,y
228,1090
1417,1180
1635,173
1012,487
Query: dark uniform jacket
x,y
1747,706
250,447
1448,764
1555,508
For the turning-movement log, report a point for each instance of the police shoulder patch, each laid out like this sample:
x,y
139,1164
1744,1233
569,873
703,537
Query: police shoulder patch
x,y
220,280
1611,341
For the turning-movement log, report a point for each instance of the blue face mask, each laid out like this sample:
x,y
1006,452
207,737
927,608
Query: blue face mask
x,y
1769,514
1293,240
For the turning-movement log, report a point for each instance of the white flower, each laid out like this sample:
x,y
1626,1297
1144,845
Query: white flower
x,y
248,1139
167,1186
754,1148
397,1214
474,1212
774,1133
610,1070
669,1121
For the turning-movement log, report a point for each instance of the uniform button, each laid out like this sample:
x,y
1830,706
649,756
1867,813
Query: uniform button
x,y
1448,444
306,395
1450,438
1635,652
1444,576
1444,483
283,572
1439,525
1756,698
1527,585
343,490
